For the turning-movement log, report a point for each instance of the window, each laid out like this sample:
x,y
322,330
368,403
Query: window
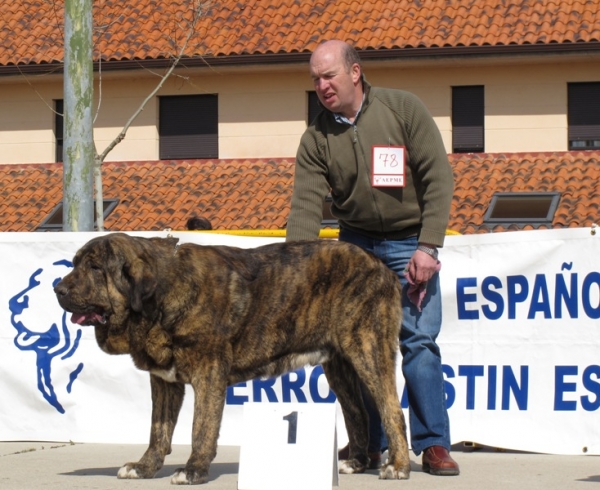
x,y
54,222
314,106
58,130
188,127
522,208
584,115
468,113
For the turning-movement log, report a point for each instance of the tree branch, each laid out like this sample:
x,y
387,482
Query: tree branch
x,y
121,136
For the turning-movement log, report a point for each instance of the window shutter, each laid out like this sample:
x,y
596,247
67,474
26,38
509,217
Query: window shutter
x,y
468,115
314,106
584,111
188,127
58,129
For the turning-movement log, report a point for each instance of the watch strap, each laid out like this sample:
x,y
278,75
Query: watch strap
x,y
432,251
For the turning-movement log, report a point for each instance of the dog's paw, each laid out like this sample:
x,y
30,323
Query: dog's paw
x,y
349,466
135,471
388,472
188,477
129,472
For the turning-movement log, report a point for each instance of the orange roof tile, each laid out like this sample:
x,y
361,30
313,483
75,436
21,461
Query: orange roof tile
x,y
256,193
479,176
31,31
158,195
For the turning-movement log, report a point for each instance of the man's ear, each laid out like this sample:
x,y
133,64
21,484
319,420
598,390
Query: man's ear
x,y
356,73
142,284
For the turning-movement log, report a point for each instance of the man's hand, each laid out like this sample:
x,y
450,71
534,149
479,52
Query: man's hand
x,y
421,267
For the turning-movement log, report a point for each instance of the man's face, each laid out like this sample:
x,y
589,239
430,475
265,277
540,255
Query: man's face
x,y
334,84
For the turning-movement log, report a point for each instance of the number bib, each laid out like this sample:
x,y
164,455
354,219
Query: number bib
x,y
388,166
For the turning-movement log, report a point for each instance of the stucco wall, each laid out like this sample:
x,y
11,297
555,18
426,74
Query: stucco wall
x,y
262,114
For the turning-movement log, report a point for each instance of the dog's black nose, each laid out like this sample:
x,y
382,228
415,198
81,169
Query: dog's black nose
x,y
60,289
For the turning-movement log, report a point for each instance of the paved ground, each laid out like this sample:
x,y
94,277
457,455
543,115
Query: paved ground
x,y
53,466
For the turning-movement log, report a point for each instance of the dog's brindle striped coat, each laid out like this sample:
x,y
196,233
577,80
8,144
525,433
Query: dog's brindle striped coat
x,y
214,316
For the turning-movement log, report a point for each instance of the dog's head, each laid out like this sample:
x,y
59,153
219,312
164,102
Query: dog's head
x,y
113,282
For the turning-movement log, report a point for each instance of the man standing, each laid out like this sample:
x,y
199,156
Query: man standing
x,y
380,154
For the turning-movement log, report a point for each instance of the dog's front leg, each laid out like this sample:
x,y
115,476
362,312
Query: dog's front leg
x,y
167,399
210,389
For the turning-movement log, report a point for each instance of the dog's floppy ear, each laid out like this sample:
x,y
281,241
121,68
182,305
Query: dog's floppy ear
x,y
143,283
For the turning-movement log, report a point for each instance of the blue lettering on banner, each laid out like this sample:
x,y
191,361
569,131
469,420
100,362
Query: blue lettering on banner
x,y
518,388
505,388
233,398
593,386
561,386
499,297
288,386
266,385
263,390
565,383
293,382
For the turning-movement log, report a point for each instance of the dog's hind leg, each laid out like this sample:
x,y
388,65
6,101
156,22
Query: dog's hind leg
x,y
398,464
377,370
343,380
167,399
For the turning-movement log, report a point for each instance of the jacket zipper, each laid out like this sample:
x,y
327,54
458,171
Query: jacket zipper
x,y
364,160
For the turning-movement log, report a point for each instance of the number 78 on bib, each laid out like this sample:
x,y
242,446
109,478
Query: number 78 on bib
x,y
388,166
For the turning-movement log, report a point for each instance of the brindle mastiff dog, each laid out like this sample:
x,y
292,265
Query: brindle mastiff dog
x,y
214,316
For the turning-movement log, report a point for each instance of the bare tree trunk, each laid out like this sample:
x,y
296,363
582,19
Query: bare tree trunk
x,y
79,150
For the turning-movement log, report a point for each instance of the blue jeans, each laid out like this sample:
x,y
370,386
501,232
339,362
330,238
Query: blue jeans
x,y
421,359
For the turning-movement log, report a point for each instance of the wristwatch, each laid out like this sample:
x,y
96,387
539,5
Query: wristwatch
x,y
429,250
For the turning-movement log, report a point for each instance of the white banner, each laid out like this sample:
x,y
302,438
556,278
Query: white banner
x,y
520,346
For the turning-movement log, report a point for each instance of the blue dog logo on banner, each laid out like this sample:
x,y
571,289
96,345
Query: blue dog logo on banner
x,y
54,344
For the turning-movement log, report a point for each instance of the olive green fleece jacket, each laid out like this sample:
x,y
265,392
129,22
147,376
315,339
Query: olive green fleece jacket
x,y
337,157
